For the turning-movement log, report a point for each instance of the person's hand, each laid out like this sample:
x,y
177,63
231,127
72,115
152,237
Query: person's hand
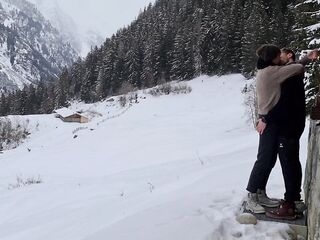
x,y
313,55
261,126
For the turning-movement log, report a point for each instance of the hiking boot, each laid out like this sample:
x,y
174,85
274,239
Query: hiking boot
x,y
286,211
265,201
253,205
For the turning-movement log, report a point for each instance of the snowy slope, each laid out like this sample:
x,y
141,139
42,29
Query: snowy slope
x,y
172,167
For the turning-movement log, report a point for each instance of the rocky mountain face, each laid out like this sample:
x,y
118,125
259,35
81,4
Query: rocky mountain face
x,y
81,38
31,49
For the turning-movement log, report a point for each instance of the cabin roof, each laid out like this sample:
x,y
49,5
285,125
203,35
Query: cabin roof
x,y
64,112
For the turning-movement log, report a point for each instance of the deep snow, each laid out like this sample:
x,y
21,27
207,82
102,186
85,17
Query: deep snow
x,y
170,167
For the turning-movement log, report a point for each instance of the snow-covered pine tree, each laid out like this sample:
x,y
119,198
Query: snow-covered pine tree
x,y
255,34
100,88
307,34
235,34
61,89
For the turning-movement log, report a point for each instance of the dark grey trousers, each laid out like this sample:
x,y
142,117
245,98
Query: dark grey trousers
x,y
291,167
266,159
272,143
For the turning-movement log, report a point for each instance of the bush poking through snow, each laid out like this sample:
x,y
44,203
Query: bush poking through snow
x,y
25,182
251,102
167,88
12,133
79,129
130,98
123,101
126,88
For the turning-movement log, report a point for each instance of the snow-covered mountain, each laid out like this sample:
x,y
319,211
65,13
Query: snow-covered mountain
x,y
81,38
30,48
88,23
167,168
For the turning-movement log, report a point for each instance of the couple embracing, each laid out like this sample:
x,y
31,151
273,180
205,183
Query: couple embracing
x,y
281,122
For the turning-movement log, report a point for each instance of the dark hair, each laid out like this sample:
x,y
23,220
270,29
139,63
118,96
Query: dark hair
x,y
287,51
268,52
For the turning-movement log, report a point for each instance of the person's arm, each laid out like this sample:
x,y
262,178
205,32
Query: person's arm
x,y
272,117
275,115
264,120
282,73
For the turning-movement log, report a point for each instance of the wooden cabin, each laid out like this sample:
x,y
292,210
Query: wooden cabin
x,y
67,115
76,118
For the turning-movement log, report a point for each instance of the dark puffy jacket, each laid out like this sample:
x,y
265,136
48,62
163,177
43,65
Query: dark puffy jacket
x,y
290,111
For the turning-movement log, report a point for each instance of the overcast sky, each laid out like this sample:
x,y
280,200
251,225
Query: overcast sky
x,y
105,16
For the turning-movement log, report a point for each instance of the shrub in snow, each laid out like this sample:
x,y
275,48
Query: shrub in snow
x,y
123,101
126,88
250,101
131,97
79,129
12,133
20,182
167,88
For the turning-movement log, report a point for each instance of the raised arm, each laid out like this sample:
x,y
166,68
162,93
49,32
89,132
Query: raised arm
x,y
282,73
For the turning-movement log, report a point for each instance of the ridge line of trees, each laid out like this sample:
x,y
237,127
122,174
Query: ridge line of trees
x,y
169,40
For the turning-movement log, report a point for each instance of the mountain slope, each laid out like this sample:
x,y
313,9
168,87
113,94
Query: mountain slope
x,y
80,38
30,48
172,167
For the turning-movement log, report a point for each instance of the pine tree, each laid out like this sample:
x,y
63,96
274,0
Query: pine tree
x,y
305,14
4,108
276,31
100,84
134,61
61,89
255,34
235,34
147,76
178,59
31,100
312,84
196,42
21,101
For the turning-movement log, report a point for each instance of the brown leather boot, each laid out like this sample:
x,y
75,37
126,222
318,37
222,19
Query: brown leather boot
x,y
285,211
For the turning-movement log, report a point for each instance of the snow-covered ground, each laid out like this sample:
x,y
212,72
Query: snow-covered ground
x,y
168,168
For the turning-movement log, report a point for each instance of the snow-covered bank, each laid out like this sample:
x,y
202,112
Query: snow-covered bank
x,y
171,167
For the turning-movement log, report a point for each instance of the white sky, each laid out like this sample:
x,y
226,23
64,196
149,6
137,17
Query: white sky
x,y
105,16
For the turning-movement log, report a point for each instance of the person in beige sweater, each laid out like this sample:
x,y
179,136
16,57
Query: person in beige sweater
x,y
270,75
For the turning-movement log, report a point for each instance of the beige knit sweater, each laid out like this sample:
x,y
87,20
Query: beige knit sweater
x,y
269,82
